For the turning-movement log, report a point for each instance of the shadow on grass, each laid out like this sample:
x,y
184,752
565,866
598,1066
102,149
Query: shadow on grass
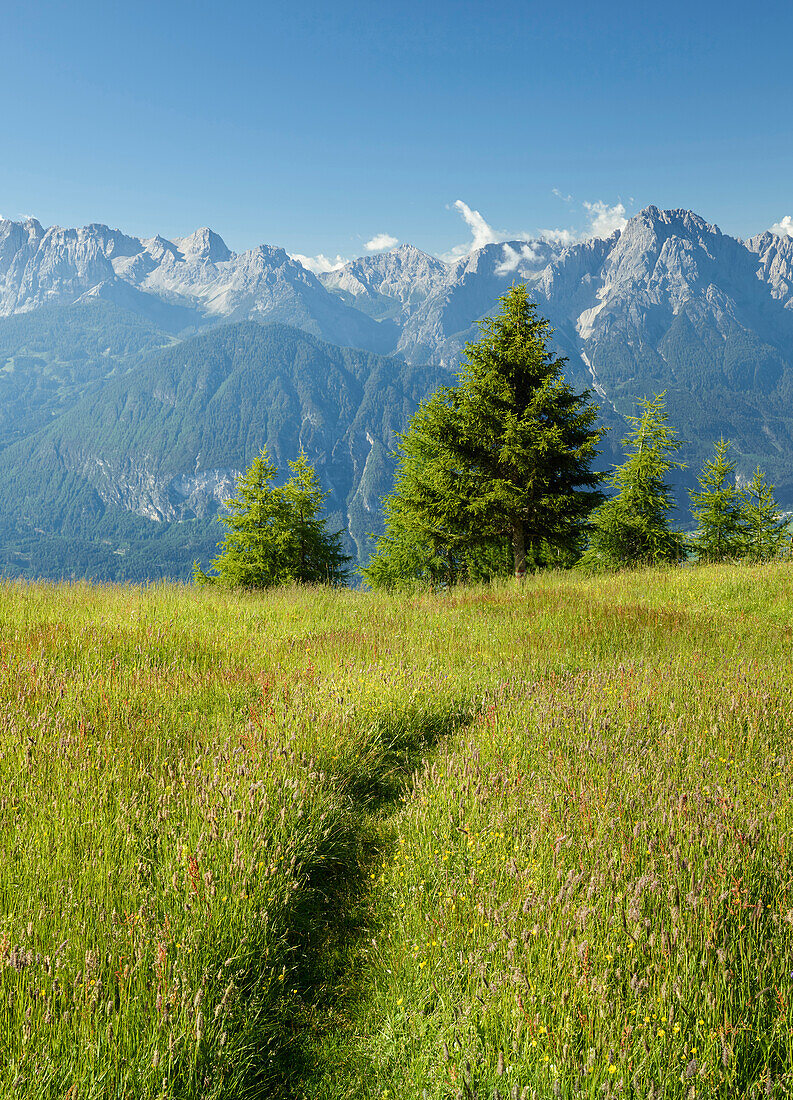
x,y
332,913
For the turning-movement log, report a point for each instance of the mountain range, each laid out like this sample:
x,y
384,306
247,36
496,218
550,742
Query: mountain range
x,y
138,376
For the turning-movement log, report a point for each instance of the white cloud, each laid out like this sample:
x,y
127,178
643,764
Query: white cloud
x,y
320,264
604,219
380,242
601,221
560,236
783,228
513,257
481,234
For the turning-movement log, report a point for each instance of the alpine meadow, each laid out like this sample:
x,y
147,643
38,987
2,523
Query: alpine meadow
x,y
396,551
528,839
516,826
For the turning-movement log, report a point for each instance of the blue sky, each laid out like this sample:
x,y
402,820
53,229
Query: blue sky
x,y
319,126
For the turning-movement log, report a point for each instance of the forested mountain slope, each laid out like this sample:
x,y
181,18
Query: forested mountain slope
x,y
50,357
158,450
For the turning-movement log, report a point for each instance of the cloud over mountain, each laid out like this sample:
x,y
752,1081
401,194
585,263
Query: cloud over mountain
x,y
604,219
783,228
601,221
320,264
600,218
380,242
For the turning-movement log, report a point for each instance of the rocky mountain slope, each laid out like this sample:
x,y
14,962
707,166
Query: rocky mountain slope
x,y
180,285
670,303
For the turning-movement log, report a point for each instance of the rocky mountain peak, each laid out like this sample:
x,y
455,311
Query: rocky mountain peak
x,y
403,275
204,244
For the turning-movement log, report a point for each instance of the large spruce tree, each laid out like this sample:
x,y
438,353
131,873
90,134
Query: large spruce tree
x,y
498,464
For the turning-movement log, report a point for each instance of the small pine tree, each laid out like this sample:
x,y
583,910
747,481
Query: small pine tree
x,y
275,534
718,506
314,556
766,528
632,527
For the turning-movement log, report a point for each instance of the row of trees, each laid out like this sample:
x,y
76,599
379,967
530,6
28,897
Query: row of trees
x,y
633,526
498,470
495,475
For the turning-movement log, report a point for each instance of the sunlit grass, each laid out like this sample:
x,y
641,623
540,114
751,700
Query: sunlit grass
x,y
221,875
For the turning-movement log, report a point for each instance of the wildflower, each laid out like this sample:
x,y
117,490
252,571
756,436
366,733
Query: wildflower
x,y
612,1068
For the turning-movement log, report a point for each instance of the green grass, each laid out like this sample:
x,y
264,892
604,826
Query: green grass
x,y
502,842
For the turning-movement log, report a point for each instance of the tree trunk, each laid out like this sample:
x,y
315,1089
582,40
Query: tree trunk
x,y
519,550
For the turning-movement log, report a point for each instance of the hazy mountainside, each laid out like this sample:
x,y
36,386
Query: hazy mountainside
x,y
158,450
50,357
180,285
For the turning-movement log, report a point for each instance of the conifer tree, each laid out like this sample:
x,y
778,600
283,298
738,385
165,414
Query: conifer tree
x,y
632,527
313,555
429,537
766,528
275,534
718,506
498,464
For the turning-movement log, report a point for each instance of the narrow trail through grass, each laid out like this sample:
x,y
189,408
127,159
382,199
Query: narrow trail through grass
x,y
338,910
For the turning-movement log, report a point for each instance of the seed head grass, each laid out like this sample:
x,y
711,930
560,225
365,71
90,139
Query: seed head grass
x,y
506,841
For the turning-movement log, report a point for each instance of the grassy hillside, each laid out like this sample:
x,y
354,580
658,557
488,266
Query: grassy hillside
x,y
504,842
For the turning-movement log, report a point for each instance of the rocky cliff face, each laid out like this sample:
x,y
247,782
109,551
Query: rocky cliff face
x,y
185,284
392,284
663,264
